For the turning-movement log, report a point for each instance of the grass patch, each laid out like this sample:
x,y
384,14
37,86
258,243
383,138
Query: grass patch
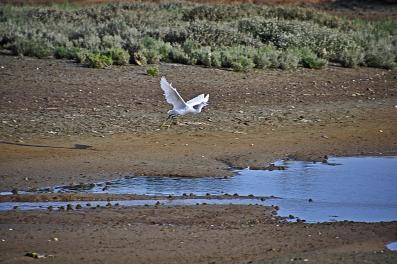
x,y
153,71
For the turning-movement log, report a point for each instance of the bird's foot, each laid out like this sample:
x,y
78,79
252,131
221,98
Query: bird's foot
x,y
165,125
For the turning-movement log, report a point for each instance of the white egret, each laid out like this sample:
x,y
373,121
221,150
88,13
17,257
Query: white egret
x,y
180,107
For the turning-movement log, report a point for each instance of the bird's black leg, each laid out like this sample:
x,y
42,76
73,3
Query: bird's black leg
x,y
166,120
174,120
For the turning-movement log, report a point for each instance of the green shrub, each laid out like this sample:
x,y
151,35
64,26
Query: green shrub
x,y
379,59
309,59
203,56
153,71
267,57
192,33
164,51
351,57
152,56
287,34
189,45
111,42
313,62
154,50
237,58
69,53
82,55
205,33
216,59
140,58
31,48
381,54
119,56
243,63
288,60
176,35
149,43
99,61
178,55
211,13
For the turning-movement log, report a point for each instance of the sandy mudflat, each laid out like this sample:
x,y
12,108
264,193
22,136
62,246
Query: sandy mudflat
x,y
62,123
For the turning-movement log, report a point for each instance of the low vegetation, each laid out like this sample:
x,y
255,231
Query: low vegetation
x,y
239,37
153,71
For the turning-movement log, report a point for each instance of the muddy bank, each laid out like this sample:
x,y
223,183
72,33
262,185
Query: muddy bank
x,y
211,154
114,197
62,124
198,234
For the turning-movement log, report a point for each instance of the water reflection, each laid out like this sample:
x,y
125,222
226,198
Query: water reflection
x,y
345,188
366,180
392,246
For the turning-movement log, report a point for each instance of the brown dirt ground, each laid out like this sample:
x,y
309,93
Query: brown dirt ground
x,y
253,118
49,106
199,234
51,109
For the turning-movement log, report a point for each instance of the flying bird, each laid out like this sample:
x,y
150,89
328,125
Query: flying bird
x,y
180,107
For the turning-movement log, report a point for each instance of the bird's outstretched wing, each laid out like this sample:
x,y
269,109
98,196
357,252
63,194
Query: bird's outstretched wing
x,y
171,94
198,100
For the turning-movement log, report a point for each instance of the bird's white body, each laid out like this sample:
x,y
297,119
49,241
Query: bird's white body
x,y
180,107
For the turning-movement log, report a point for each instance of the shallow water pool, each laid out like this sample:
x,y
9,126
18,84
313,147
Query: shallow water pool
x,y
343,188
392,246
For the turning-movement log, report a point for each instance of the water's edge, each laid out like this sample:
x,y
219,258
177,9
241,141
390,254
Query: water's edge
x,y
357,189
